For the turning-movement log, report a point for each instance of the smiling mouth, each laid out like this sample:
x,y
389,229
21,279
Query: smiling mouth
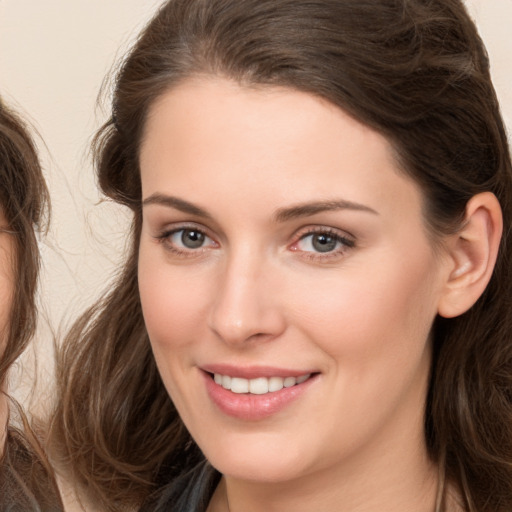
x,y
258,386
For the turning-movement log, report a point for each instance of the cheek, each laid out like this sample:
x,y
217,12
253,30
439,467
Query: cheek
x,y
172,301
6,288
380,311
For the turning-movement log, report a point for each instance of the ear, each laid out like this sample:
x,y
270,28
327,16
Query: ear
x,y
472,253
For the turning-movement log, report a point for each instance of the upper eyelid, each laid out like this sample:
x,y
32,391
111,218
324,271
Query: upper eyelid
x,y
314,229
174,227
164,238
207,237
157,223
347,240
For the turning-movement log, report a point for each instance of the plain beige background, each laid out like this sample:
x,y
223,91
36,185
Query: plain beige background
x,y
54,55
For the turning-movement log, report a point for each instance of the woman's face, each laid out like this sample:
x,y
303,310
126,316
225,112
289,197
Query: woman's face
x,y
283,253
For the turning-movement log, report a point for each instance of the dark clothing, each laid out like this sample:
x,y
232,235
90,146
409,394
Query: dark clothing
x,y
190,492
26,484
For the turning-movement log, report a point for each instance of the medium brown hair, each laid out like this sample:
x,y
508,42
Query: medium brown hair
x,y
417,72
26,478
24,203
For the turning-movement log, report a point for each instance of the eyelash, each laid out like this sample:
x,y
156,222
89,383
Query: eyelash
x,y
165,238
345,242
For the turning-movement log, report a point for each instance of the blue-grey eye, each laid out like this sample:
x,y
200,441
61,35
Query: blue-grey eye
x,y
189,238
319,242
324,243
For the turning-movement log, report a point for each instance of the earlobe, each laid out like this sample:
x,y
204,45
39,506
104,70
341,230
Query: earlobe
x,y
473,251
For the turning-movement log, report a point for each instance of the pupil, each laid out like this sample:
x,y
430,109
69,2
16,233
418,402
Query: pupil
x,y
192,239
324,243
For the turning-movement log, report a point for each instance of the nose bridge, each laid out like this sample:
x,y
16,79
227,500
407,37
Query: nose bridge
x,y
244,308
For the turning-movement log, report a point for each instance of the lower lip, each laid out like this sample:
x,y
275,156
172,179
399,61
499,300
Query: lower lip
x,y
250,407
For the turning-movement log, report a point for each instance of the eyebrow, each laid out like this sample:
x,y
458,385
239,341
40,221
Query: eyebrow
x,y
177,204
281,215
309,209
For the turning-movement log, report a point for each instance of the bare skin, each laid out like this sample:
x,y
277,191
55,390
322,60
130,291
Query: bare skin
x,y
6,290
279,235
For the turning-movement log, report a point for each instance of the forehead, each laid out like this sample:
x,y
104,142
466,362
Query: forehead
x,y
259,112
263,143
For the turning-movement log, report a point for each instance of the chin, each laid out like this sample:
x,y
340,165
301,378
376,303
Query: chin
x,y
260,472
257,464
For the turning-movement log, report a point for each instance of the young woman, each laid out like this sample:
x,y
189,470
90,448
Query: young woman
x,y
314,314
26,481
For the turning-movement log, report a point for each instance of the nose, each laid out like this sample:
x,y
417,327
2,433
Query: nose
x,y
246,307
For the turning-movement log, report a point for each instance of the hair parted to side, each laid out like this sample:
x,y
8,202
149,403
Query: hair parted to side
x,y
414,70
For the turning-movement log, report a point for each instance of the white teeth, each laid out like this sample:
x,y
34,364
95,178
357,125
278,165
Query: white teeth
x,y
226,381
275,383
258,386
239,385
289,382
302,378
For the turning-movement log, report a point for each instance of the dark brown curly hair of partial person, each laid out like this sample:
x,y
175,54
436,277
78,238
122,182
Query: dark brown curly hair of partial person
x,y
417,72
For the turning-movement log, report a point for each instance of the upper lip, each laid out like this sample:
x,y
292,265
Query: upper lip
x,y
253,372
